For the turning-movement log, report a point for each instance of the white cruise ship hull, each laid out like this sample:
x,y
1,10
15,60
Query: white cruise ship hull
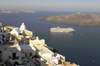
x,y
62,30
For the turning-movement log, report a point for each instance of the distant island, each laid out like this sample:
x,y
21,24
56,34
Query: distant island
x,y
75,19
15,11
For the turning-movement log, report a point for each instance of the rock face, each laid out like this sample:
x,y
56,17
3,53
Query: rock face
x,y
75,19
15,11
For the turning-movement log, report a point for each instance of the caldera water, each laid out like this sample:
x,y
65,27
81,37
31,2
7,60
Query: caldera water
x,y
81,47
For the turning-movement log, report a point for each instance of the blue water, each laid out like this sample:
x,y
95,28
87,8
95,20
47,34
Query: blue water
x,y
81,47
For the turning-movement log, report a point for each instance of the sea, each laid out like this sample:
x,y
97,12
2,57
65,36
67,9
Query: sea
x,y
81,47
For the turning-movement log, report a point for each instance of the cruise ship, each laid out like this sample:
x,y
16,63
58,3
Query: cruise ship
x,y
58,29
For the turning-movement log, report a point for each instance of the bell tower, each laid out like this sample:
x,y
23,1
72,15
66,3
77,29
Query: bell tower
x,y
23,27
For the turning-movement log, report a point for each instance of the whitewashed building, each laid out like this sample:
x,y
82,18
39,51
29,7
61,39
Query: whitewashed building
x,y
16,31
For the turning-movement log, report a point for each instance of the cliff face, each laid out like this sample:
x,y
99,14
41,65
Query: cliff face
x,y
75,19
15,11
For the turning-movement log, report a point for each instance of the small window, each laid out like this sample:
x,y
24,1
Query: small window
x,y
30,54
26,54
0,51
14,55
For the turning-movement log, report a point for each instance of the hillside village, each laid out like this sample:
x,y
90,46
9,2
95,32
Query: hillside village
x,y
19,47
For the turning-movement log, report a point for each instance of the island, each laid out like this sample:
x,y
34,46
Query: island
x,y
15,11
75,19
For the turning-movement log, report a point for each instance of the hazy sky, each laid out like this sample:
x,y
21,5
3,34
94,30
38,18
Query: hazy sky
x,y
51,5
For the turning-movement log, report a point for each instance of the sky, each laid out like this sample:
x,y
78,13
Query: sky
x,y
51,5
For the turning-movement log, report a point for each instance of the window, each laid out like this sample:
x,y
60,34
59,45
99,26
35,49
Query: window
x,y
0,51
30,54
14,55
26,54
